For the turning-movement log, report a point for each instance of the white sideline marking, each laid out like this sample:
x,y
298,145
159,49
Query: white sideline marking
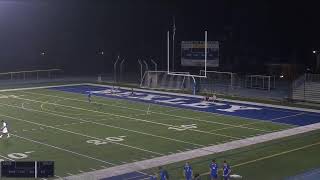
x,y
85,121
242,125
83,135
162,113
132,118
183,156
271,156
40,87
288,116
62,149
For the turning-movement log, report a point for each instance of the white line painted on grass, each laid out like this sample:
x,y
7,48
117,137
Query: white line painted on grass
x,y
136,119
129,130
63,149
83,135
154,112
183,156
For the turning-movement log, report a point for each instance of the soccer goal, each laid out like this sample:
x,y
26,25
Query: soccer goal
x,y
163,80
217,80
260,82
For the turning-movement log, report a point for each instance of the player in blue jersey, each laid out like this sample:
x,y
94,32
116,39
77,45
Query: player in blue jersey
x,y
226,171
89,96
213,170
187,171
163,174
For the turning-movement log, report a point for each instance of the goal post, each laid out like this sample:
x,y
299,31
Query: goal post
x,y
188,76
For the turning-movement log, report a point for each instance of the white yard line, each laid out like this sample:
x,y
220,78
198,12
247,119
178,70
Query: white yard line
x,y
63,149
184,156
83,135
101,124
152,112
122,116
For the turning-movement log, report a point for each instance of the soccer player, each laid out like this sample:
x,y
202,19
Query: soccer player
x,y
213,98
226,171
89,96
163,174
187,171
213,170
4,129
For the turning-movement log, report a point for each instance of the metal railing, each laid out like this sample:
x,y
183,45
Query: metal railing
x,y
31,74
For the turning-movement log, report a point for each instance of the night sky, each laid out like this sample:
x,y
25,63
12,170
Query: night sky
x,y
73,32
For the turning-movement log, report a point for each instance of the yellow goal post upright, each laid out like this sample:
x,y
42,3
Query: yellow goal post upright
x,y
192,76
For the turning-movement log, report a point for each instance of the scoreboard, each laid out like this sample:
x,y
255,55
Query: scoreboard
x,y
193,53
27,169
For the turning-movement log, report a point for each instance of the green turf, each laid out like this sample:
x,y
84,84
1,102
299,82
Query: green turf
x,y
65,128
274,160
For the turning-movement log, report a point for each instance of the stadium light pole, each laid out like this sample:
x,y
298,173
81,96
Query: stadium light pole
x,y
140,70
317,53
168,51
155,65
43,54
115,70
205,52
121,68
173,36
146,64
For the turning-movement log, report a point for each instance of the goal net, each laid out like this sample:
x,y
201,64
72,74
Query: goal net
x,y
163,80
218,81
260,82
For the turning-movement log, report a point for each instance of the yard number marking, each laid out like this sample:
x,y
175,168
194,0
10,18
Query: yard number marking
x,y
184,127
112,139
18,155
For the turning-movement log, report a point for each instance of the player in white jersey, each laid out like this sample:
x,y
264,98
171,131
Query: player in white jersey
x,y
4,129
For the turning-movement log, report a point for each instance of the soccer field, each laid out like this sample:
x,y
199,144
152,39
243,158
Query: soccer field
x,y
62,126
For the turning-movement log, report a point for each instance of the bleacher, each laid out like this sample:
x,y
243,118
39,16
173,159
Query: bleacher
x,y
307,88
